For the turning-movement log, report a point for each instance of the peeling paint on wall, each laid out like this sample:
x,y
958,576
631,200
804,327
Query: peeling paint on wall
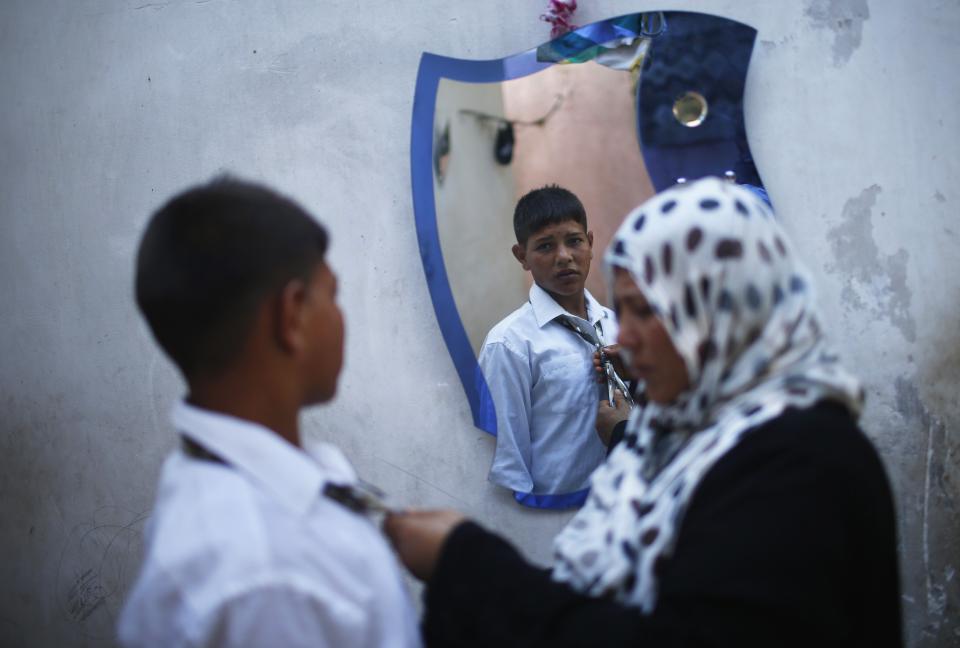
x,y
872,282
845,19
937,515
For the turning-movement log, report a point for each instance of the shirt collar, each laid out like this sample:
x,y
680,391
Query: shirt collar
x,y
286,472
546,309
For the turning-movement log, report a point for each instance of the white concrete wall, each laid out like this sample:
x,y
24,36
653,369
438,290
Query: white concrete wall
x,y
109,106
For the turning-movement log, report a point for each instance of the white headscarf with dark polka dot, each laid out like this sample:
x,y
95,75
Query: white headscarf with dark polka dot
x,y
720,274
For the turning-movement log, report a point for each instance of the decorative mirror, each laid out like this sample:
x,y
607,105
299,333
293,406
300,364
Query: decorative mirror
x,y
613,111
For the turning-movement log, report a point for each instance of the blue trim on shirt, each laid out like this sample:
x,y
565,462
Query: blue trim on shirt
x,y
559,501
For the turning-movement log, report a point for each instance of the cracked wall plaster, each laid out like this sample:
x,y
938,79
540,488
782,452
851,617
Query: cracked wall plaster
x,y
872,281
844,18
928,523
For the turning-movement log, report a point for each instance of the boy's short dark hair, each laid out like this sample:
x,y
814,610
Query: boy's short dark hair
x,y
207,260
547,205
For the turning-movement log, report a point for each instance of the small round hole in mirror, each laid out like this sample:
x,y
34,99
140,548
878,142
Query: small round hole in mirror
x,y
690,109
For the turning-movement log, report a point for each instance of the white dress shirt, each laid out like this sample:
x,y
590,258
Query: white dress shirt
x,y
250,553
541,379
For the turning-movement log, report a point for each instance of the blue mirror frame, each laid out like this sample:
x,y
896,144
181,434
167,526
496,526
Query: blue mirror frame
x,y
688,52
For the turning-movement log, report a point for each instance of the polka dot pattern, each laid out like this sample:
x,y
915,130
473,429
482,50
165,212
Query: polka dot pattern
x,y
729,249
777,294
725,301
693,238
709,204
666,259
706,351
781,248
705,288
754,299
764,252
716,269
689,301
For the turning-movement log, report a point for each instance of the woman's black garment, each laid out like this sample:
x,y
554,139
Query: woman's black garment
x,y
788,541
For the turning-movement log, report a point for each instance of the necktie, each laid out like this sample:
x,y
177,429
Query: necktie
x,y
592,333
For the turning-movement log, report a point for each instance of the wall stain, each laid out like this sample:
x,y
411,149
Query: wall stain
x,y
85,595
940,197
845,19
938,512
873,283
96,566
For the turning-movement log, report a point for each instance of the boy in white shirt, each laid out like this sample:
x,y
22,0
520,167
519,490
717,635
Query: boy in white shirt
x,y
539,369
246,545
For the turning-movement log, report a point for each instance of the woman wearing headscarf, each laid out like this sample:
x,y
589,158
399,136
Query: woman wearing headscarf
x,y
743,506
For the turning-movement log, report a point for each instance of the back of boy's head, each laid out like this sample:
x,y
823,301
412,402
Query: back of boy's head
x,y
208,259
547,205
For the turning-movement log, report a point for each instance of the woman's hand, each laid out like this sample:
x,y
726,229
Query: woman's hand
x,y
418,537
608,415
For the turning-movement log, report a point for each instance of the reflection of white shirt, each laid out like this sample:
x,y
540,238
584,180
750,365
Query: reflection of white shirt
x,y
541,379
251,554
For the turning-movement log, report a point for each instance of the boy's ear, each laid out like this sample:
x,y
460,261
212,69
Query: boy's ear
x,y
590,239
288,317
520,254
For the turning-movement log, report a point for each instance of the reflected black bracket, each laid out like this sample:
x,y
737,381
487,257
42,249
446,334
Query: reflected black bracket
x,y
689,52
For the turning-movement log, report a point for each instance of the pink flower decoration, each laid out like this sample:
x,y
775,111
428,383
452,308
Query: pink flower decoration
x,y
559,15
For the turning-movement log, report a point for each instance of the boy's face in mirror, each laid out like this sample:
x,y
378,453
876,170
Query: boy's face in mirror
x,y
323,353
558,256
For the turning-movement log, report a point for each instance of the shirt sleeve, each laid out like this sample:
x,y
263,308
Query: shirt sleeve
x,y
280,615
508,377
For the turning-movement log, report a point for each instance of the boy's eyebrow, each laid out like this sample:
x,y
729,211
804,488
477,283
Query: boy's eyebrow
x,y
543,238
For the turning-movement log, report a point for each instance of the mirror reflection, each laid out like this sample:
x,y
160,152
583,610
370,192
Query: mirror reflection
x,y
605,115
531,303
